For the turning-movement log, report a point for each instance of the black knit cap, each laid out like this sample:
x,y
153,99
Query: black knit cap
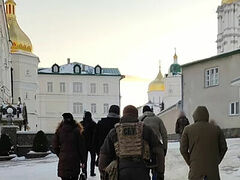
x,y
67,116
114,109
146,108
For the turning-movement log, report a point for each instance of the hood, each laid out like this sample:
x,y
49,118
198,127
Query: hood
x,y
201,114
148,113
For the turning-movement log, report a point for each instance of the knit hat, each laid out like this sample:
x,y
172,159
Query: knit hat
x,y
67,116
201,114
130,111
146,108
87,115
114,109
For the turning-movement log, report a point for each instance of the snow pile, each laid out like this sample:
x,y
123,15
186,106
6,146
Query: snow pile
x,y
176,168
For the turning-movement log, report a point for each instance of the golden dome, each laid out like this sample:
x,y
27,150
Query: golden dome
x,y
20,41
228,1
158,83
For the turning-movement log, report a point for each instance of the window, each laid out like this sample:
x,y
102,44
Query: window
x,y
105,108
93,108
234,108
62,87
55,68
77,87
98,69
50,87
77,69
105,88
77,108
212,77
93,88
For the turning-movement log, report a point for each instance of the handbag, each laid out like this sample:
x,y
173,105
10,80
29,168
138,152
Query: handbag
x,y
82,176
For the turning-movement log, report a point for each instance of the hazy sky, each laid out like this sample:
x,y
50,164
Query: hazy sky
x,y
132,35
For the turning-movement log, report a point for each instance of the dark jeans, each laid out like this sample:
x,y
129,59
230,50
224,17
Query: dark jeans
x,y
93,161
73,178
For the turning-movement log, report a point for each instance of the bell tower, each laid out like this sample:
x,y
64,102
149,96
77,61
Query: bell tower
x,y
228,38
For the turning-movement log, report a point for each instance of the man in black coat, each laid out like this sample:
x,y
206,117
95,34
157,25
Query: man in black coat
x,y
105,125
89,132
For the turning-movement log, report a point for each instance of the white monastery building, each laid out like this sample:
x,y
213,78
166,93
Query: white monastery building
x,y
164,92
75,88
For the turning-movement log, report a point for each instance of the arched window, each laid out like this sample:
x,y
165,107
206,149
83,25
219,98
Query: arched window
x,y
98,69
77,69
55,68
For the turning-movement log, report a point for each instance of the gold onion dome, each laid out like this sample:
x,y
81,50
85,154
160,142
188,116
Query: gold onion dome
x,y
20,41
228,1
158,83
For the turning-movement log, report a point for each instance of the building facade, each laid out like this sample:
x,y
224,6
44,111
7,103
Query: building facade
x,y
208,82
228,38
165,91
5,59
76,88
24,66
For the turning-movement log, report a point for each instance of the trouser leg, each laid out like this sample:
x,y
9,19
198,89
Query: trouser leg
x,y
93,161
85,163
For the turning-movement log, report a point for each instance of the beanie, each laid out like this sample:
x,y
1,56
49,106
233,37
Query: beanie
x,y
130,111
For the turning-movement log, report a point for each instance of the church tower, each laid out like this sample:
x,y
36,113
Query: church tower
x,y
24,64
228,38
5,60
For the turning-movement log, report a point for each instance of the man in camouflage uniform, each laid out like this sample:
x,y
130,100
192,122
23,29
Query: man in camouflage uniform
x,y
133,145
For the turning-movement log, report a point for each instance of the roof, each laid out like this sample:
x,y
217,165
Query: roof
x,y
213,58
68,69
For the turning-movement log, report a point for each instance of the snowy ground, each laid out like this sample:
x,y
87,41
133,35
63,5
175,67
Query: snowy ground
x,y
176,169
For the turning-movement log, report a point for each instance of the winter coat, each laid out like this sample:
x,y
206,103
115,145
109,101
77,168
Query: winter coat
x,y
157,125
181,123
129,169
89,133
69,146
203,147
103,128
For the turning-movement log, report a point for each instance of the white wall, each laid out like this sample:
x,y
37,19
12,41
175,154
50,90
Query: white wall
x,y
25,83
5,59
216,98
53,105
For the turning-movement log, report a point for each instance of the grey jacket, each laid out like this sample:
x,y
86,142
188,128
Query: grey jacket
x,y
151,120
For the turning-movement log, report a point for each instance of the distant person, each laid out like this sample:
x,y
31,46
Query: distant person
x,y
105,125
89,131
157,125
69,146
25,118
203,147
181,123
126,143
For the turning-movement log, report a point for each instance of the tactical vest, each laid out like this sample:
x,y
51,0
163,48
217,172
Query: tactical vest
x,y
130,142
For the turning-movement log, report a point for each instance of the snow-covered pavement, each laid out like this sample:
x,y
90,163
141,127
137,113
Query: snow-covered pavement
x,y
176,169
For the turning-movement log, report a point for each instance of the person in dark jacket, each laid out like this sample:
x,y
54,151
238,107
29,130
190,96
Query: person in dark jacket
x,y
126,143
181,123
69,146
203,147
89,130
105,125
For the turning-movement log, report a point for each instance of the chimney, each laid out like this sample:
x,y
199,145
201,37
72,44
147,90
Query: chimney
x,y
68,60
